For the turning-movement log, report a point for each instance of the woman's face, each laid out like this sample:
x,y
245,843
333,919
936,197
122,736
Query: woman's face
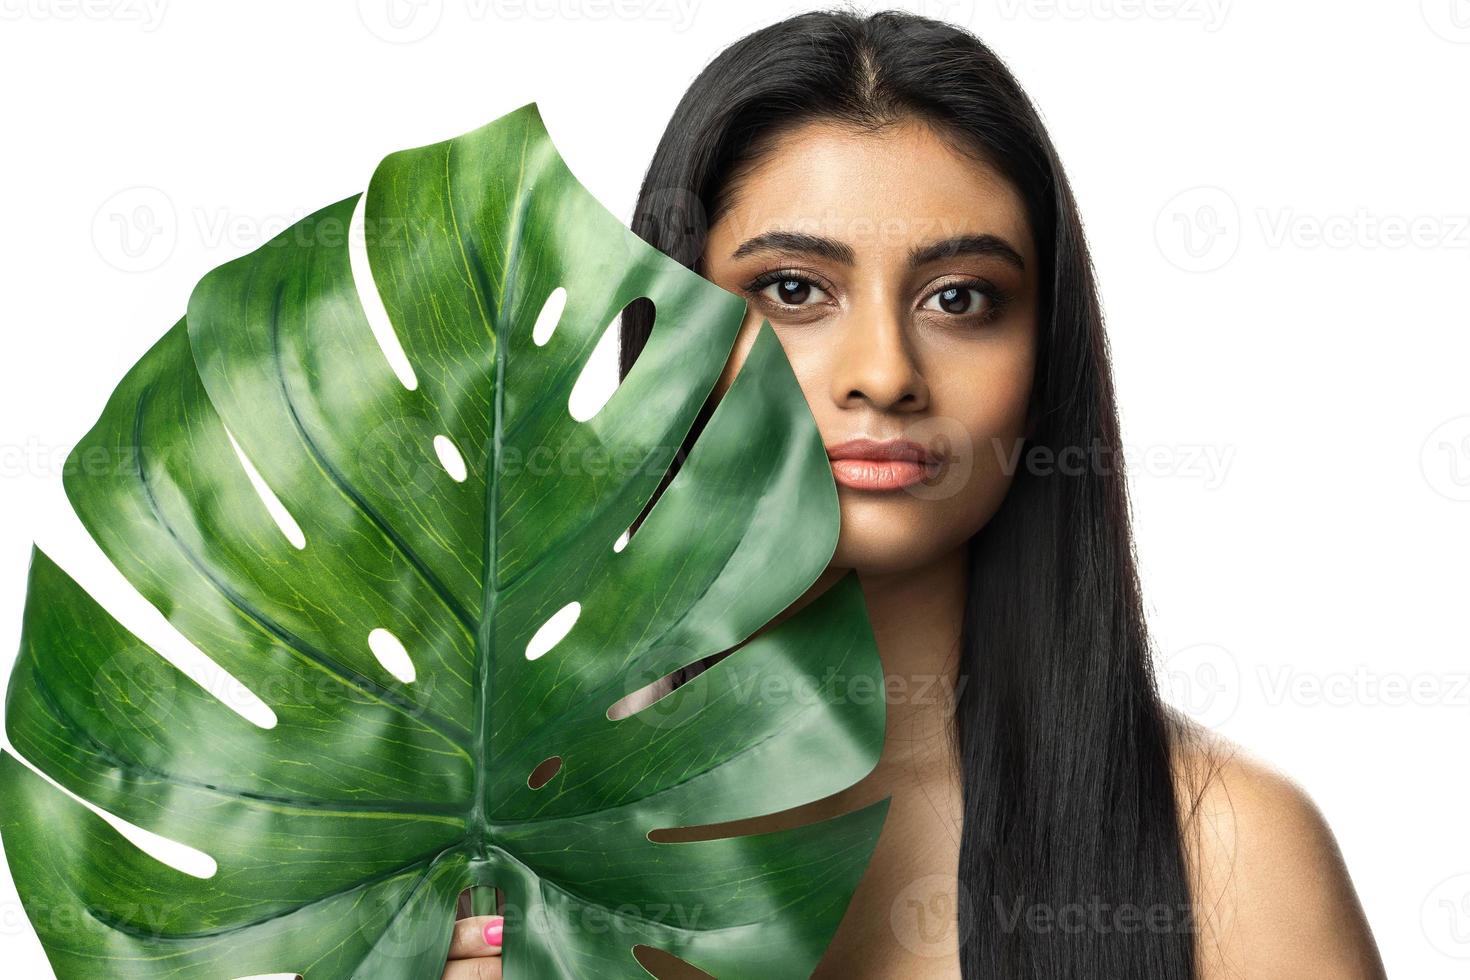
x,y
900,277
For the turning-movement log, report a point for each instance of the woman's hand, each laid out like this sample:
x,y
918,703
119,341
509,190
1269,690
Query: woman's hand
x,y
474,952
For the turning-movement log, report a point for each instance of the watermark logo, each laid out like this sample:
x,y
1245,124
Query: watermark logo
x,y
408,21
400,454
147,14
1095,915
1445,916
1282,227
403,925
1203,681
675,706
1450,19
1362,687
1210,14
1198,230
400,21
931,916
136,689
1444,459
950,11
136,229
1205,463
675,218
677,13
948,438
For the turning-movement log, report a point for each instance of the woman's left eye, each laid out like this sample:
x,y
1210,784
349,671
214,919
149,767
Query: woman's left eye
x,y
957,300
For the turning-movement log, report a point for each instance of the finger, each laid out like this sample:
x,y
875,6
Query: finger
x,y
481,969
476,936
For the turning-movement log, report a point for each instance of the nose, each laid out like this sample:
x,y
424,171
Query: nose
x,y
875,364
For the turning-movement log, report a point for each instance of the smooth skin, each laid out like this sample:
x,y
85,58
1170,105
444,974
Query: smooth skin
x,y
837,238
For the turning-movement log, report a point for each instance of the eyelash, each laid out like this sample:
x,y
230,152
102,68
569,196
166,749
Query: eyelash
x,y
998,299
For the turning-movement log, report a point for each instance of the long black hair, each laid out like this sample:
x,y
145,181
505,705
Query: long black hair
x,y
1072,864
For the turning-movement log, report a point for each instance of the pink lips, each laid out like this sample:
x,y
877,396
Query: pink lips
x,y
867,464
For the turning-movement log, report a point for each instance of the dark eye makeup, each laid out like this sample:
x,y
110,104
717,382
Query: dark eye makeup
x,y
795,287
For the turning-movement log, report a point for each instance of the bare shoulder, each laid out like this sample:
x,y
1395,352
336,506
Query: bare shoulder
x,y
1272,894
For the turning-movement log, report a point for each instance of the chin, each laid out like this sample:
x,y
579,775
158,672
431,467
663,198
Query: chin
x,y
898,532
886,536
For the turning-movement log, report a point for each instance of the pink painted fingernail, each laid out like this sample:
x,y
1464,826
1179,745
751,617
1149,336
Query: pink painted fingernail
x,y
493,930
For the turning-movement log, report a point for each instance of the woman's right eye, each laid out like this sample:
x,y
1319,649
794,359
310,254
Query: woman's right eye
x,y
792,291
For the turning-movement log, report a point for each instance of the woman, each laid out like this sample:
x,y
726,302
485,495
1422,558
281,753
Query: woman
x,y
883,192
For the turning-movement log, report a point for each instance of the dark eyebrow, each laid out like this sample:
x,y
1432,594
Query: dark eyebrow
x,y
795,241
830,248
967,245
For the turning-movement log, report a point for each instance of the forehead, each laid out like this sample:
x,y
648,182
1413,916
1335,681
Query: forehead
x,y
878,191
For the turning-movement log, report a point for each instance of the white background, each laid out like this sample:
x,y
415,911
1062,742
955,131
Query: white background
x,y
1277,198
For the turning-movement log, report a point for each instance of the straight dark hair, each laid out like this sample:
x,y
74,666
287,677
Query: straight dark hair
x,y
1072,863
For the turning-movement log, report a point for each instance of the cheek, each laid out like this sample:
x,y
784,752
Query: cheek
x,y
985,405
986,410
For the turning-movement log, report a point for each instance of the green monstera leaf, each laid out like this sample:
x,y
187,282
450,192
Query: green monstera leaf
x,y
437,523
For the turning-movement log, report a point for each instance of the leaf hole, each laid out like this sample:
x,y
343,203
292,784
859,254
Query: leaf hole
x,y
273,505
599,376
175,854
553,631
549,317
465,906
543,772
801,815
372,303
650,694
667,966
392,655
645,696
450,458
